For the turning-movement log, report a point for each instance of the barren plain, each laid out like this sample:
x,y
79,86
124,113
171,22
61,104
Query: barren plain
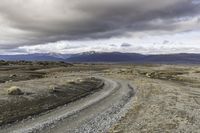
x,y
165,98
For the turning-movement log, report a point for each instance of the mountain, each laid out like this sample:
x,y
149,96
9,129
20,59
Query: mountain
x,y
136,58
182,58
107,57
58,55
31,57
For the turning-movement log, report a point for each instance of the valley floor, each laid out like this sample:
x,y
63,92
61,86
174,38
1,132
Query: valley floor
x,y
167,97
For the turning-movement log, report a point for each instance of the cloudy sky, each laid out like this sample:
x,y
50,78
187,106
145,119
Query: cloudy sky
x,y
72,26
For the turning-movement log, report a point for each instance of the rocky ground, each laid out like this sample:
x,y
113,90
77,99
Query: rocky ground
x,y
167,99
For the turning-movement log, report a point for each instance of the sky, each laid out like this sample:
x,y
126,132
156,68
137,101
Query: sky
x,y
74,26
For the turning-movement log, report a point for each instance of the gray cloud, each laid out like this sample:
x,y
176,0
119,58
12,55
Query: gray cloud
x,y
30,22
113,45
126,45
165,42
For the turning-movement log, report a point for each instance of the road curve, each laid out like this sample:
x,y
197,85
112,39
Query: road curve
x,y
94,113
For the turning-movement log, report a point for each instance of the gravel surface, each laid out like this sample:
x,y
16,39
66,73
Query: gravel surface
x,y
106,119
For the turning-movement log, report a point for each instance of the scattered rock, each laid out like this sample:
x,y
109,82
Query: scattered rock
x,y
79,80
71,82
13,76
148,75
9,81
93,78
54,89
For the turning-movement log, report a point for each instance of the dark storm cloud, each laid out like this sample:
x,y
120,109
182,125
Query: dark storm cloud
x,y
30,22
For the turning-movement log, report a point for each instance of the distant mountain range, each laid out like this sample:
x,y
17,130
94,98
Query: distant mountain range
x,y
137,58
31,57
108,57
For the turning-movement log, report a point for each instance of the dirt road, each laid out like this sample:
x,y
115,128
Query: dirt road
x,y
94,113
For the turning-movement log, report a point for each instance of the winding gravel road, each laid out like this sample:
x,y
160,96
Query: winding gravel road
x,y
94,113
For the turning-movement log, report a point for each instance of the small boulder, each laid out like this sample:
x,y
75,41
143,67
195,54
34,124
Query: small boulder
x,y
93,78
53,89
71,82
148,75
80,80
13,76
14,90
